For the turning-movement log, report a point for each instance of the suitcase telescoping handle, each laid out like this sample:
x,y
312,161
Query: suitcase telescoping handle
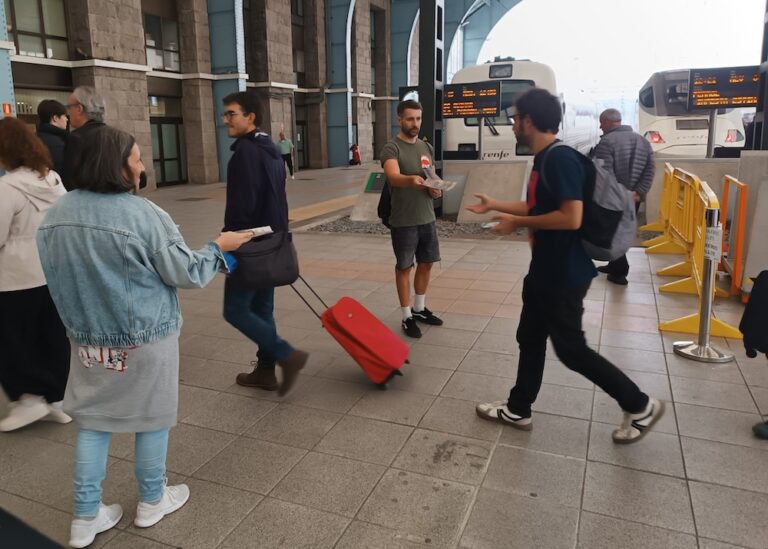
x,y
311,289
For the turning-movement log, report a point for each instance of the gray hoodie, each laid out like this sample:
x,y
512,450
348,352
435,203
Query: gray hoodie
x,y
24,199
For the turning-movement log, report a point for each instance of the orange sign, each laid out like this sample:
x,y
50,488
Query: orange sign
x,y
7,109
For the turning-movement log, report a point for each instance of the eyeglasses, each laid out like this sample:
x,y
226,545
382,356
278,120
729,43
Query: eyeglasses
x,y
229,114
73,105
514,118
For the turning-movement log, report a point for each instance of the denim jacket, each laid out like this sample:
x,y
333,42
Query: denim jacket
x,y
113,262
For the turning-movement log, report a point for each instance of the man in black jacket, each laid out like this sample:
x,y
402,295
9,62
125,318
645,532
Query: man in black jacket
x,y
256,198
53,130
86,110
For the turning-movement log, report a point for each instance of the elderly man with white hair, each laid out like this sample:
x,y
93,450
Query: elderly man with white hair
x,y
86,110
630,157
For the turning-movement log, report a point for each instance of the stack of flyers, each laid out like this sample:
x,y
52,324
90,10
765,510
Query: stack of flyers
x,y
433,181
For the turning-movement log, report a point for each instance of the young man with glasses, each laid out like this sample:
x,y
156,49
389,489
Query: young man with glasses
x,y
558,278
256,198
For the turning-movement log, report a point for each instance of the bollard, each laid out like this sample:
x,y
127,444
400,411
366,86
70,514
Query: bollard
x,y
702,350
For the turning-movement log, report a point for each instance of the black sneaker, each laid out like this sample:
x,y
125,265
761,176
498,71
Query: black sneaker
x,y
410,328
618,279
426,316
604,269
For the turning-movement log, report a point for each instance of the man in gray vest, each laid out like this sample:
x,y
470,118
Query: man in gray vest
x,y
630,157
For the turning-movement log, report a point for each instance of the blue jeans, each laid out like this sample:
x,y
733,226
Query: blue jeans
x,y
91,453
252,312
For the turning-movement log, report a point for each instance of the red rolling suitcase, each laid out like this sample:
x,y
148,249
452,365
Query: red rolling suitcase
x,y
377,349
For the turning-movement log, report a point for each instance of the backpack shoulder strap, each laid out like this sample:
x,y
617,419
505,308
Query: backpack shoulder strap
x,y
555,145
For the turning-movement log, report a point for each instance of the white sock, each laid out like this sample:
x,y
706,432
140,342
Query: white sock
x,y
419,302
406,312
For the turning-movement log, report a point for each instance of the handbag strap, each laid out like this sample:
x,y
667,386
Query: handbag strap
x,y
311,289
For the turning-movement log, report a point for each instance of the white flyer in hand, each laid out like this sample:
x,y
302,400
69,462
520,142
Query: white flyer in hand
x,y
433,181
260,231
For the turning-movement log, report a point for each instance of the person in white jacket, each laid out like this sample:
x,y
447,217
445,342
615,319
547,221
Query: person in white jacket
x,y
34,349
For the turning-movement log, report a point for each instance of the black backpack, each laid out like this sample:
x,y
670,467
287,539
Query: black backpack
x,y
754,321
385,205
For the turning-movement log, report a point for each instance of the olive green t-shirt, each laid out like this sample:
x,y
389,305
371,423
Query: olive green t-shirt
x,y
410,206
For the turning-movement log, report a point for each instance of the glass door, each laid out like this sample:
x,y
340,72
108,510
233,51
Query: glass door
x,y
301,145
168,151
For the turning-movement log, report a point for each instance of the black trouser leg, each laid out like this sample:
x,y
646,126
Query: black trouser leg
x,y
35,348
558,314
289,161
618,267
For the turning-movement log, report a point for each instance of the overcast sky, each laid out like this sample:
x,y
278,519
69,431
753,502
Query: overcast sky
x,y
609,48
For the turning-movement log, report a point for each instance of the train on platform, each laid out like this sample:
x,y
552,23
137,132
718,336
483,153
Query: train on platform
x,y
580,126
673,130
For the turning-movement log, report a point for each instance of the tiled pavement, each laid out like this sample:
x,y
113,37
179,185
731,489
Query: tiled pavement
x,y
338,463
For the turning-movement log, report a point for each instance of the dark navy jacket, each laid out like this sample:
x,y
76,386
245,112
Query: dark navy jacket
x,y
255,185
55,139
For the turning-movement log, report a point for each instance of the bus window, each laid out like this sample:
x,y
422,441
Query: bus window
x,y
646,97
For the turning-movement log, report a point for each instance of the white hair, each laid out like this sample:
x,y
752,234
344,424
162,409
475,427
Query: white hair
x,y
93,104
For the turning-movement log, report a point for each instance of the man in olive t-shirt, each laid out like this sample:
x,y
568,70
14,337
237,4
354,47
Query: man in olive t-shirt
x,y
412,218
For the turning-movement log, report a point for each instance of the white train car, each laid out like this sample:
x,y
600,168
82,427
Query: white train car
x,y
665,121
580,127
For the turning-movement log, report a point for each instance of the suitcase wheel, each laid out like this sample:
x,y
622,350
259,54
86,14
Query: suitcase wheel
x,y
383,385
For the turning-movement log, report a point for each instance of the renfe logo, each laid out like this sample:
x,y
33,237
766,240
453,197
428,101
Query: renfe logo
x,y
425,162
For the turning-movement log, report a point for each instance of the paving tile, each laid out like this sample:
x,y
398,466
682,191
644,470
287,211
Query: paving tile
x,y
606,410
250,464
683,367
496,343
445,456
490,364
330,483
730,515
755,372
209,374
421,379
710,393
631,340
124,540
536,523
477,388
638,496
326,394
546,477
189,447
506,325
421,506
726,464
455,416
393,405
365,439
190,398
761,397
712,544
449,337
564,401
460,321
211,513
559,435
657,453
435,356
229,413
719,425
652,384
484,296
344,368
294,426
600,532
363,535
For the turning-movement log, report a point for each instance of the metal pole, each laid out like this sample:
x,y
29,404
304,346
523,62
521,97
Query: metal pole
x,y
480,126
703,351
711,135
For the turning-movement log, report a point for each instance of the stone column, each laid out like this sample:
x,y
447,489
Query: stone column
x,y
197,93
383,68
316,77
363,113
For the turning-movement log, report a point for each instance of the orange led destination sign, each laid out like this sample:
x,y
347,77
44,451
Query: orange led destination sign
x,y
471,100
725,87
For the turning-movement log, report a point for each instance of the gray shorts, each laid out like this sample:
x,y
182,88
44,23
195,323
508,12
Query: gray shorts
x,y
419,241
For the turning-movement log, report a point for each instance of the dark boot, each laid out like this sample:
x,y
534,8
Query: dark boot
x,y
291,366
261,377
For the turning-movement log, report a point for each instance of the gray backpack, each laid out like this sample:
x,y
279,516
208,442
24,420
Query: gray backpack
x,y
609,226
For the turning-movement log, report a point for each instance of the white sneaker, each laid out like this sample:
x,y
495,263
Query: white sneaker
x,y
498,411
23,412
56,414
174,498
293,177
635,426
83,531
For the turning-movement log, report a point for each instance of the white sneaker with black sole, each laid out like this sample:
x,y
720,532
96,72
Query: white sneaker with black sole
x,y
636,426
498,411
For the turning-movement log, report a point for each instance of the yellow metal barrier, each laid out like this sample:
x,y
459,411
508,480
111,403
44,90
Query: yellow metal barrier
x,y
688,226
733,236
665,243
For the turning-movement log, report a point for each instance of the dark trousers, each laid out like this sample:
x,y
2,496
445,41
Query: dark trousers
x,y
289,161
620,266
34,349
252,312
557,313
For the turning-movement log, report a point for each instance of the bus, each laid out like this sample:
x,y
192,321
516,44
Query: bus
x,y
580,122
665,121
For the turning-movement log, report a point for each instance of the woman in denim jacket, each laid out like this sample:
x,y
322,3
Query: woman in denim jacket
x,y
113,262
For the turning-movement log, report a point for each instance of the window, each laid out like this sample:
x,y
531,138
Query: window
x,y
38,28
510,91
161,37
297,8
